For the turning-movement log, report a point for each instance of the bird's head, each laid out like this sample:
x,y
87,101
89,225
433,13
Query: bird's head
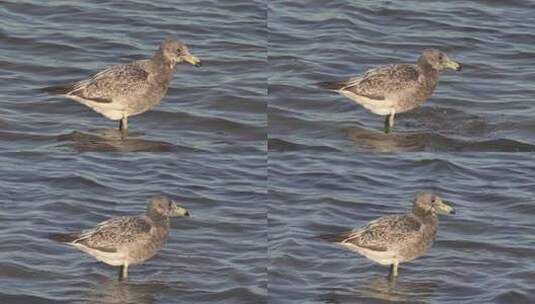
x,y
427,202
176,52
440,60
161,205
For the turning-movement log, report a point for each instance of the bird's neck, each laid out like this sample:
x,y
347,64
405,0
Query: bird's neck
x,y
427,217
427,68
159,219
430,79
430,222
162,61
161,229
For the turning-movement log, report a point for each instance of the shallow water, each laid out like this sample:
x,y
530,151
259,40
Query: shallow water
x,y
219,107
483,254
210,127
216,254
488,106
251,236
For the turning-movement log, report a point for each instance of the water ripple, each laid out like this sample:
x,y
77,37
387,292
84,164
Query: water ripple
x,y
486,107
483,253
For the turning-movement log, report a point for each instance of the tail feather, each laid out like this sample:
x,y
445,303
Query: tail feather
x,y
332,85
336,238
64,237
60,89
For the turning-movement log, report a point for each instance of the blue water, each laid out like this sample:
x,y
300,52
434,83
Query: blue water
x,y
488,106
204,146
219,107
263,158
482,254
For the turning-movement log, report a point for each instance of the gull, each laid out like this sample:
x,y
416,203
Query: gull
x,y
394,239
395,88
127,240
130,89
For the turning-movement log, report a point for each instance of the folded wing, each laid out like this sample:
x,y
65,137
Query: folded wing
x,y
112,234
376,83
379,234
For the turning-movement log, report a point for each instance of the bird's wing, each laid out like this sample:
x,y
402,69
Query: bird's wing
x,y
115,232
378,82
118,80
381,233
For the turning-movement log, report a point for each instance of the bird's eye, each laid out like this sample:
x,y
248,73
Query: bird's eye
x,y
170,204
440,57
179,51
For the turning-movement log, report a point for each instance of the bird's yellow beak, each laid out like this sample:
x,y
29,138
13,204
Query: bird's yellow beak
x,y
179,211
454,65
193,60
444,207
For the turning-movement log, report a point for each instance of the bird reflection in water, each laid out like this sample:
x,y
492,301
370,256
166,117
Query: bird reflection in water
x,y
112,140
383,288
398,290
373,140
110,291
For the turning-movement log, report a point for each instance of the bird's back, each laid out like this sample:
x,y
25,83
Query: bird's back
x,y
133,239
398,86
129,89
403,237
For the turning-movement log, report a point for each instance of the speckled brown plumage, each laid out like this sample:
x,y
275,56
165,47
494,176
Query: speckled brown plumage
x,y
394,239
130,89
395,88
127,240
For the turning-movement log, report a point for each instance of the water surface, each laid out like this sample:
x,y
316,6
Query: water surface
x,y
218,254
486,107
483,254
210,129
219,107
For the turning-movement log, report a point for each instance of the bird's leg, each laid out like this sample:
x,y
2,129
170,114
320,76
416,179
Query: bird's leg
x,y
123,272
123,124
121,269
389,121
393,271
387,127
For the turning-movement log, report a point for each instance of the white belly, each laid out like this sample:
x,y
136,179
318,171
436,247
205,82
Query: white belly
x,y
379,107
110,258
109,110
380,257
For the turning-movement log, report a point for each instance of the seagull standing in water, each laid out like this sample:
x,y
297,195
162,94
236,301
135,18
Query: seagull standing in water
x,y
127,240
395,88
129,89
394,239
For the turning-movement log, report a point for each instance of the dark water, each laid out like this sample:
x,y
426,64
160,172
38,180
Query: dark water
x,y
212,123
218,254
486,107
250,238
483,254
219,107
